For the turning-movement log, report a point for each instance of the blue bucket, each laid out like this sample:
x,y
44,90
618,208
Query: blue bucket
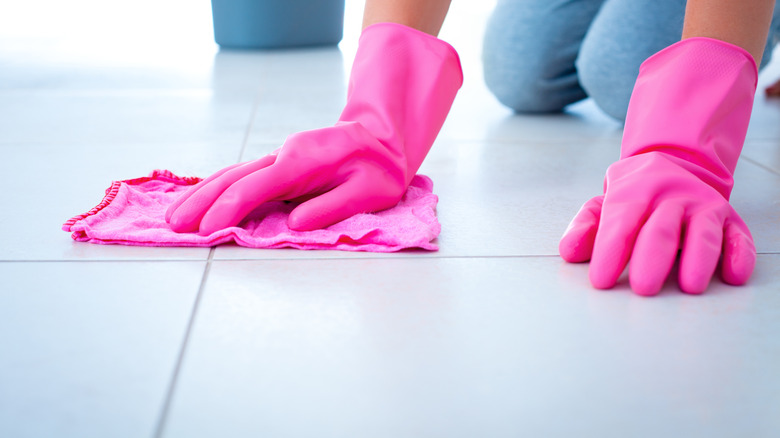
x,y
266,24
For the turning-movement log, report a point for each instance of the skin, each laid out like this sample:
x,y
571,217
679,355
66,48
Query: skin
x,y
773,90
744,23
424,15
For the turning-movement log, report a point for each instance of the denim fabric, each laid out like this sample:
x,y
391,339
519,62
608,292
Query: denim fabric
x,y
541,55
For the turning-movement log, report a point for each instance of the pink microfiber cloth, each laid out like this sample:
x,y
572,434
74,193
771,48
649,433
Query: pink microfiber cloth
x,y
133,213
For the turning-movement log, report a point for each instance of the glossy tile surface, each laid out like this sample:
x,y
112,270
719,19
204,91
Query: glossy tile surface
x,y
473,347
88,349
493,335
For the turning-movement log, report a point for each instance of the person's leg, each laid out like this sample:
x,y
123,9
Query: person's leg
x,y
774,36
529,51
623,35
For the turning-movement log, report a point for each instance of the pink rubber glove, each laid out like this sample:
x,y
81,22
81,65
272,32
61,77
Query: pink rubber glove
x,y
402,85
684,131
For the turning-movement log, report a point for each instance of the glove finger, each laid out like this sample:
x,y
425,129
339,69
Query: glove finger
x,y
739,252
338,204
237,201
186,195
700,253
187,216
576,245
617,232
656,249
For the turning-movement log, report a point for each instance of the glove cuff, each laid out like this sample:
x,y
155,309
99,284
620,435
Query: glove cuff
x,y
692,100
402,85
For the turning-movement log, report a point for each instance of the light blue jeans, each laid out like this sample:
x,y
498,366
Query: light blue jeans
x,y
541,55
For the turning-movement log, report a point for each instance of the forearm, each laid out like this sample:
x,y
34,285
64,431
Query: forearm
x,y
744,23
424,15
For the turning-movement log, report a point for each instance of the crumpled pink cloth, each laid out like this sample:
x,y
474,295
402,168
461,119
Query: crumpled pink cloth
x,y
133,213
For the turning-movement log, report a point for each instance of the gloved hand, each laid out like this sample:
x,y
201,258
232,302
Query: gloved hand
x,y
686,123
402,85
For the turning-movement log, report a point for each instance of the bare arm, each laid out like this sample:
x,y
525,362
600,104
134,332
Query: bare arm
x,y
424,15
744,23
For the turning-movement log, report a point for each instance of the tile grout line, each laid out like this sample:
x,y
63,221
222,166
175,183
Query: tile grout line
x,y
755,162
248,259
414,257
102,260
161,422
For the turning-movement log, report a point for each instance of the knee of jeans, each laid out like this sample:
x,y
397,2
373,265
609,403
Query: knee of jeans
x,y
520,86
608,82
514,70
522,97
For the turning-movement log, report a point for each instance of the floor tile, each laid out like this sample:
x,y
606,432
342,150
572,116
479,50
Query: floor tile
x,y
763,122
756,197
493,122
76,66
126,117
496,198
517,199
763,153
493,335
89,348
474,347
766,110
47,184
291,98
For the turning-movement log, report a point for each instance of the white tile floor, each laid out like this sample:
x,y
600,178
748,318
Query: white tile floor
x,y
492,336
